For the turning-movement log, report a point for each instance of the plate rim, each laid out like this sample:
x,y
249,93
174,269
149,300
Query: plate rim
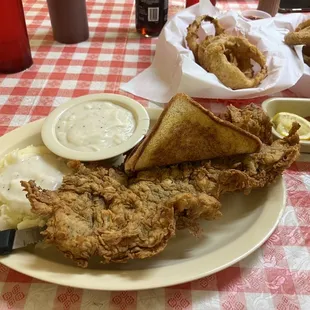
x,y
89,279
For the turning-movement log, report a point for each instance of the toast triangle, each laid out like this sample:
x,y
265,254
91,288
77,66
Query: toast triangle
x,y
185,132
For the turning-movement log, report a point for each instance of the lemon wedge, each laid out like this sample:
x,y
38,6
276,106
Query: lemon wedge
x,y
283,122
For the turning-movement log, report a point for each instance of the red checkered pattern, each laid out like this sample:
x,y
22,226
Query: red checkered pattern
x,y
276,276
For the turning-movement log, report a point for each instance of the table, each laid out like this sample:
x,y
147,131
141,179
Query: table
x,y
276,276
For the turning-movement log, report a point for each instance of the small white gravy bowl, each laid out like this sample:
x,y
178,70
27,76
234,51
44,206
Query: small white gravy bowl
x,y
299,106
112,107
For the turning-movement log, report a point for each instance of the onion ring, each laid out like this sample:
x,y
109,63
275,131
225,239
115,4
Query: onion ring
x,y
192,32
228,57
301,35
212,58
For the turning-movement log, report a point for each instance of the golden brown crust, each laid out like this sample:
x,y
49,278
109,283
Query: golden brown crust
x,y
102,212
227,57
192,32
252,119
213,58
301,35
132,159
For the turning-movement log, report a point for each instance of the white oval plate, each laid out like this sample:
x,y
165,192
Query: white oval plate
x,y
246,223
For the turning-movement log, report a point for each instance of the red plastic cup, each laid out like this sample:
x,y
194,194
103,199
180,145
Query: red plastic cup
x,y
15,53
192,2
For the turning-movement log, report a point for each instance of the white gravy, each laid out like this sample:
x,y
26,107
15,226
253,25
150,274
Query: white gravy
x,y
95,125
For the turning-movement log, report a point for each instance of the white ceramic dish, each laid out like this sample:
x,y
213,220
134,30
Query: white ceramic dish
x,y
256,13
51,141
299,106
247,222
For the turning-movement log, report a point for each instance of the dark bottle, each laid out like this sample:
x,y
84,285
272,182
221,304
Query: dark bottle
x,y
151,16
15,53
69,20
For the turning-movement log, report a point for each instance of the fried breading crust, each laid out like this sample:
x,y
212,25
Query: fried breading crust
x,y
212,57
228,57
102,212
192,32
301,35
252,119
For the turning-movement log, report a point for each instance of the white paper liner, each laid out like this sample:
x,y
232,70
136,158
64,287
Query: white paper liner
x,y
174,70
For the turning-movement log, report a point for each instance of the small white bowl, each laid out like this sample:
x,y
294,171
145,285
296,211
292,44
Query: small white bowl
x,y
256,13
51,141
299,106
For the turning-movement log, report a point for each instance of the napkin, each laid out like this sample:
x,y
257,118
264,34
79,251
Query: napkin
x,y
174,69
285,24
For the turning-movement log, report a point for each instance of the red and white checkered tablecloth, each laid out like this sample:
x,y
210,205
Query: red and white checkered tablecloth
x,y
276,276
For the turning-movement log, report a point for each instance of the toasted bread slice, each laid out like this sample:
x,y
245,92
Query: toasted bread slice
x,y
185,132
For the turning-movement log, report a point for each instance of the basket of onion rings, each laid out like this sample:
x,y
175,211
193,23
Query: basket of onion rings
x,y
295,29
211,54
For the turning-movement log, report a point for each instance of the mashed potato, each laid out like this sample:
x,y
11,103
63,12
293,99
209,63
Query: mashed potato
x,y
31,163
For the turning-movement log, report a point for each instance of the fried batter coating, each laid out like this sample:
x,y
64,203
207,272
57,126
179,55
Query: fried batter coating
x,y
96,212
252,119
301,35
192,32
212,58
243,63
228,57
102,212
